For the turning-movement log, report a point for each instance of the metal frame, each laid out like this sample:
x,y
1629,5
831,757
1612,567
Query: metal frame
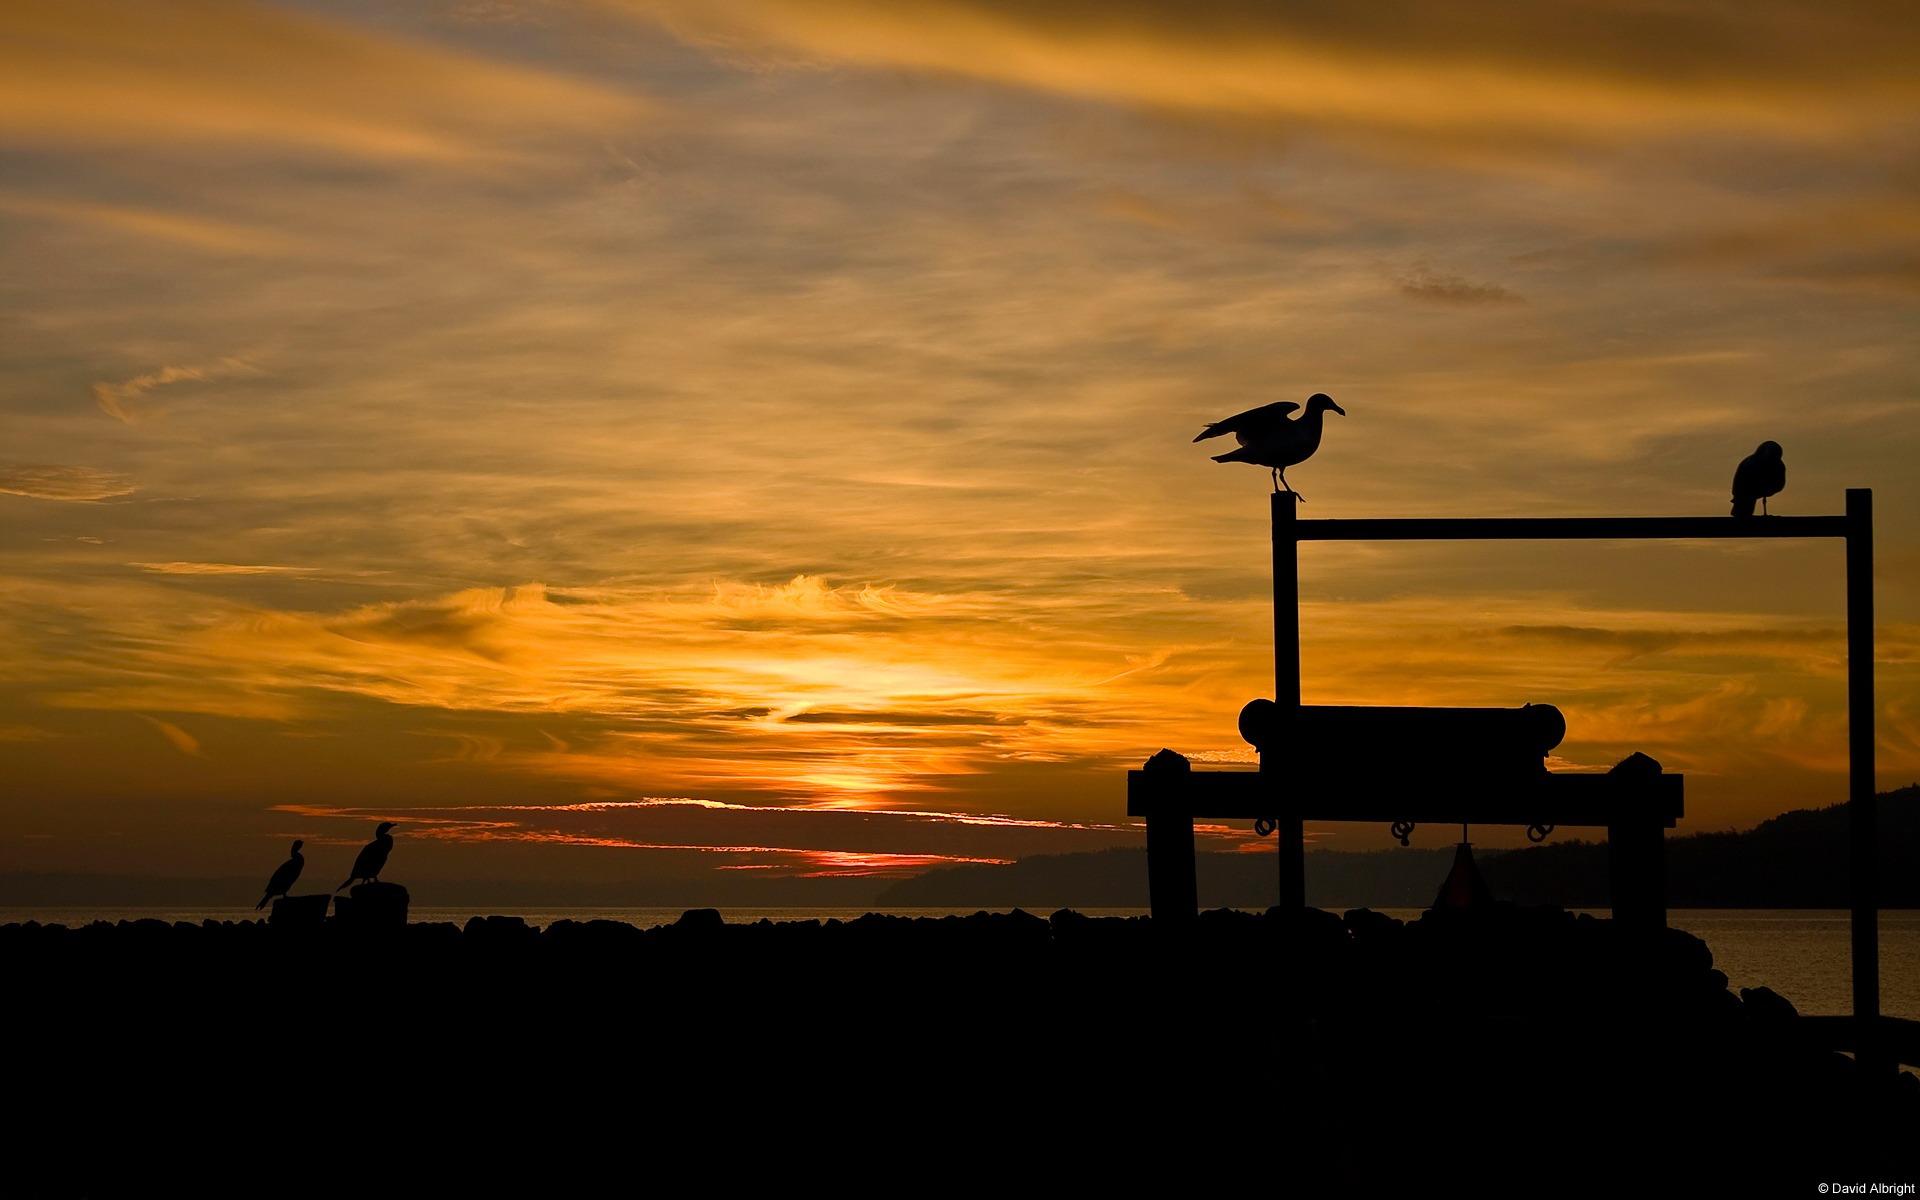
x,y
1855,528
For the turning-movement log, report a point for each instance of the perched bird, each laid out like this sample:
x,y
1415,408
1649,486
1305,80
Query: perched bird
x,y
284,877
1269,438
1760,474
373,856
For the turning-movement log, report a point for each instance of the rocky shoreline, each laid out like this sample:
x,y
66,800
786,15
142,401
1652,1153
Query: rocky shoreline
x,y
1513,1023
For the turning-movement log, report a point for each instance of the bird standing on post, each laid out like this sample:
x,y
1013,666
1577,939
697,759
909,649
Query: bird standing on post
x,y
373,856
284,877
1760,474
1269,438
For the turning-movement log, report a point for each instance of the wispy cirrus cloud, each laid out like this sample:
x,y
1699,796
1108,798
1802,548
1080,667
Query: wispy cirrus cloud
x,y
1442,288
26,733
176,737
1569,72
182,228
116,399
56,482
208,568
234,73
796,841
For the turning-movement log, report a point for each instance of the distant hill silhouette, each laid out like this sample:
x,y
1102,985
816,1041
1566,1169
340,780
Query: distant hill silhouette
x,y
1795,860
1118,879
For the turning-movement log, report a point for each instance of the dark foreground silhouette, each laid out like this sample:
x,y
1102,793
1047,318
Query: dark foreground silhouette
x,y
1489,1046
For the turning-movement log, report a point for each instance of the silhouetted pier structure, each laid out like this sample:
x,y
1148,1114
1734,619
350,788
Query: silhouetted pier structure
x,y
1345,764
1634,806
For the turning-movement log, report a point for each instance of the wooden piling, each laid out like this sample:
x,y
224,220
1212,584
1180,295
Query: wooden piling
x,y
1173,889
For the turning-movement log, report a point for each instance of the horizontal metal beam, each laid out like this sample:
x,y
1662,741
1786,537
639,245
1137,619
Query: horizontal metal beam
x,y
1435,529
1596,800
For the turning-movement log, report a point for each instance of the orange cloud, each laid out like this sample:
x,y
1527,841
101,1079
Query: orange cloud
x,y
177,737
1554,73
120,72
203,568
114,398
48,482
186,229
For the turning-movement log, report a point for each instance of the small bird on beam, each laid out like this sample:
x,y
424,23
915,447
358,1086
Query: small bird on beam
x,y
1760,474
1269,438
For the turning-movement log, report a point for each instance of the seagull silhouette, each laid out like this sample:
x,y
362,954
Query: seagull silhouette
x,y
1269,438
284,877
373,856
1759,475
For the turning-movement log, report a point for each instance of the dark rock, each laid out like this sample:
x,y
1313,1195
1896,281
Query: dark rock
x,y
1315,923
371,906
433,936
1767,1008
1366,923
498,931
1527,1023
700,920
1684,954
299,912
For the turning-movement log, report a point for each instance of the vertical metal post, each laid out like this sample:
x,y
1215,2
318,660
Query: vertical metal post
x,y
1862,822
1291,835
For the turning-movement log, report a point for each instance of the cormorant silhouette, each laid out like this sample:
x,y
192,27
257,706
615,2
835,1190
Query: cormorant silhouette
x,y
1760,474
373,856
1269,438
284,877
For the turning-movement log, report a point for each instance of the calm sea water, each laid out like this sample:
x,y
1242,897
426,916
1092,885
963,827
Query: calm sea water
x,y
1800,953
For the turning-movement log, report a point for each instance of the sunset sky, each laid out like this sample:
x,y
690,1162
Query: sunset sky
x,y
634,440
